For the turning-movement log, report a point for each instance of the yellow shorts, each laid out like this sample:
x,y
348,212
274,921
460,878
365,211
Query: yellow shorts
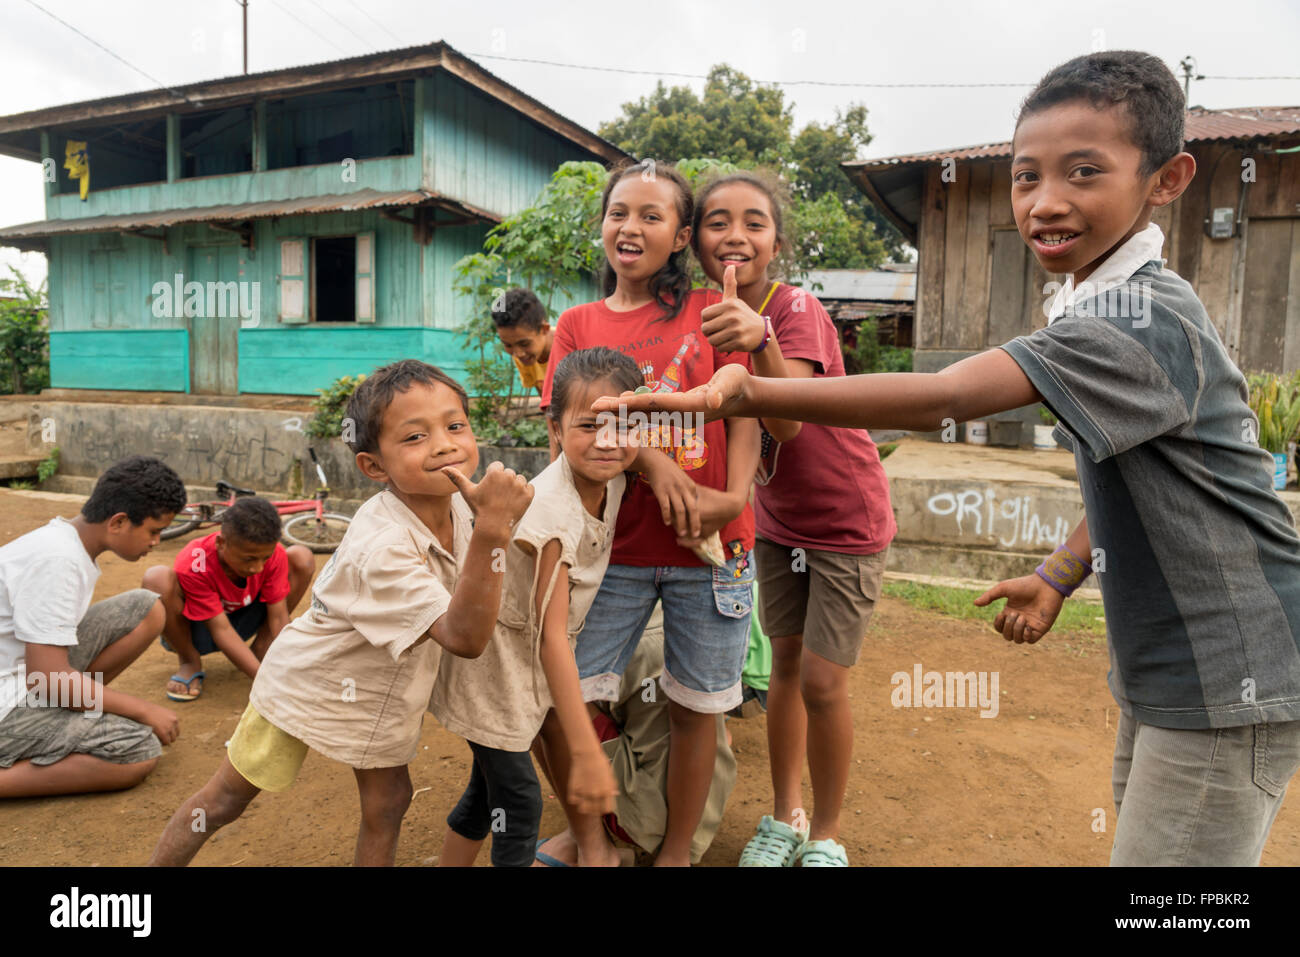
x,y
267,757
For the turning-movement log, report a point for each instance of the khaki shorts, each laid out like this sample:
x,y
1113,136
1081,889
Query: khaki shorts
x,y
268,758
827,597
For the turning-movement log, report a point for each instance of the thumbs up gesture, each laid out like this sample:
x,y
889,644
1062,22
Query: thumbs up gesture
x,y
730,325
498,501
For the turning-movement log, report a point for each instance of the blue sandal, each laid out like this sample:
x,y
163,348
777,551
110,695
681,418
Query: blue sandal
x,y
775,844
182,680
547,859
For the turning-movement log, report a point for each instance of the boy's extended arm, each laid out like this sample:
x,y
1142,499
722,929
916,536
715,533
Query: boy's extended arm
x,y
232,646
466,627
1032,604
920,401
591,786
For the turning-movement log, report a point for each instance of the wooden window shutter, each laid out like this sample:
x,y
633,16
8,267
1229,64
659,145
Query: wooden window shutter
x,y
293,280
365,277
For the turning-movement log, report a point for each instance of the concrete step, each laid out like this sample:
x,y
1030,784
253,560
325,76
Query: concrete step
x,y
18,466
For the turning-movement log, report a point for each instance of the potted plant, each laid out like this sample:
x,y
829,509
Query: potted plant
x,y
1043,433
1276,404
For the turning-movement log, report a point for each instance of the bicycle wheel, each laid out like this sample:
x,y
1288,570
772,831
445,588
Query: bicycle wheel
x,y
319,534
186,520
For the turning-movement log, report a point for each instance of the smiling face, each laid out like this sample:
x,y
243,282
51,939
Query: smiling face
x,y
133,542
1077,189
423,429
642,227
737,227
243,559
596,450
526,344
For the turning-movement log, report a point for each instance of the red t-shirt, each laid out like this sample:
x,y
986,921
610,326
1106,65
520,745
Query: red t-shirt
x,y
829,490
679,356
208,589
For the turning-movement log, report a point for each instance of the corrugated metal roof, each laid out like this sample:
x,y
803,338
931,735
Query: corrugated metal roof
x,y
1246,122
361,199
877,285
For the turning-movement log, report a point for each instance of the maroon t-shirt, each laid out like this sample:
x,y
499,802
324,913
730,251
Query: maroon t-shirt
x,y
828,490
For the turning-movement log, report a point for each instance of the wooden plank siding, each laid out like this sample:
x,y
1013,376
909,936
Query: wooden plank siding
x,y
979,285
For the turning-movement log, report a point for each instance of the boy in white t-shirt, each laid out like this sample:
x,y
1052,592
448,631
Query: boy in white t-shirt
x,y
61,730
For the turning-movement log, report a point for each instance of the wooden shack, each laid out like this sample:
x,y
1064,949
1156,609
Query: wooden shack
x,y
332,200
1234,235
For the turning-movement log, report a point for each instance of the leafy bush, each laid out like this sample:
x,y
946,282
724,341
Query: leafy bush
x,y
24,337
1276,403
331,402
868,355
48,465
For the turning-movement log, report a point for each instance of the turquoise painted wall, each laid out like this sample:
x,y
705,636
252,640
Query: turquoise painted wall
x,y
466,146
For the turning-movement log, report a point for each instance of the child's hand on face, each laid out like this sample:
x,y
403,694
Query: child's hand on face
x,y
592,788
499,500
730,325
1031,608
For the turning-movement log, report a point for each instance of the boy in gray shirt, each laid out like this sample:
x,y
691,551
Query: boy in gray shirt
x,y
1197,557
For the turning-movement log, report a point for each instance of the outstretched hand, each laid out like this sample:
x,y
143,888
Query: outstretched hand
x,y
719,398
1031,608
499,499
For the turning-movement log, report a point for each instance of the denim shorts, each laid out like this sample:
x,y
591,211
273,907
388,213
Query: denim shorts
x,y
706,631
245,621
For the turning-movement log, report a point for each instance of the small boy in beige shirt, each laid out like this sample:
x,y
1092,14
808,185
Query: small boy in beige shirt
x,y
414,575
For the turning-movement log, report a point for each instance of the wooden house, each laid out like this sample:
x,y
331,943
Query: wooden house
x,y
1234,235
271,232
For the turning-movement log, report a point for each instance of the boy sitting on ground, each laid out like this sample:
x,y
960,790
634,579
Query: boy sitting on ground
x,y
61,730
1201,574
229,587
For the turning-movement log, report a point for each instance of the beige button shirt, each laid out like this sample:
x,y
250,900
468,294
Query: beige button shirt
x,y
343,677
499,699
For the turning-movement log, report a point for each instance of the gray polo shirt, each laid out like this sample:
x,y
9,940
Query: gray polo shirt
x,y
1200,562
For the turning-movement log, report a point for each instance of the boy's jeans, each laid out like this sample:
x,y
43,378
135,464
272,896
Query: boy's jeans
x,y
1199,797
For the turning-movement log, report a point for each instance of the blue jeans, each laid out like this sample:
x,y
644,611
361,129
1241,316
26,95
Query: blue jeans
x,y
1199,797
706,631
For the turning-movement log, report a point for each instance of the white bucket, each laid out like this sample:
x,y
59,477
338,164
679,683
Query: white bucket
x,y
1043,437
977,432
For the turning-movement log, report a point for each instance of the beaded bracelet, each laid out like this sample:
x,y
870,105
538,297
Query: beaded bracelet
x,y
1063,570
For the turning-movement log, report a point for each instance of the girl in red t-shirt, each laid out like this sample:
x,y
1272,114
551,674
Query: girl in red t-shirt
x,y
823,516
650,313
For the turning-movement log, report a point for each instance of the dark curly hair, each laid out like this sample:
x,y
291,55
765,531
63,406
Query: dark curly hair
x,y
252,520
584,366
519,307
671,284
367,406
1138,82
139,485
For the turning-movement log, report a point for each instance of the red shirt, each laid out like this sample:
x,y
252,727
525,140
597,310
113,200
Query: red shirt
x,y
209,591
829,490
680,357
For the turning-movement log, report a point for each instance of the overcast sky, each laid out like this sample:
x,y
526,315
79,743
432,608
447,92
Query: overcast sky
x,y
43,63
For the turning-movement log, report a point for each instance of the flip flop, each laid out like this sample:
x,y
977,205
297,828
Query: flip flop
x,y
547,859
181,679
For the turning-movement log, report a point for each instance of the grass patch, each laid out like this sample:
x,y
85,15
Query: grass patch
x,y
1077,615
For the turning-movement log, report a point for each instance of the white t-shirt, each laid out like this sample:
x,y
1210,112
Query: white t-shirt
x,y
47,579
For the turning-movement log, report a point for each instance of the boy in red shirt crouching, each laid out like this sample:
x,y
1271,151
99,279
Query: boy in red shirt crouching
x,y
231,586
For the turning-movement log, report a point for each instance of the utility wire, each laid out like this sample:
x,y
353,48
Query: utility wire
x,y
396,39
350,32
290,13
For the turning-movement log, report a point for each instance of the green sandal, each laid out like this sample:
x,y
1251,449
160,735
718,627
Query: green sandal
x,y
775,844
827,853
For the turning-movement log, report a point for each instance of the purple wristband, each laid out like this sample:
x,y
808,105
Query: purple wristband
x,y
1063,570
767,326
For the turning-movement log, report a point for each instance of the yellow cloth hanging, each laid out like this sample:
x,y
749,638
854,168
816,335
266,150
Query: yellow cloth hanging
x,y
77,163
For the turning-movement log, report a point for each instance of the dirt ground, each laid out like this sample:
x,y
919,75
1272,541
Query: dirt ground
x,y
928,785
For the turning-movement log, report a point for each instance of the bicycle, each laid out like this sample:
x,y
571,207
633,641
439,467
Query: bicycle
x,y
311,526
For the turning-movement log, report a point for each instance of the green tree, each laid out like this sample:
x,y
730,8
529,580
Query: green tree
x,y
748,124
24,336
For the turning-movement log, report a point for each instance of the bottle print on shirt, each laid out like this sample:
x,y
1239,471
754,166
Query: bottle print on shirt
x,y
691,452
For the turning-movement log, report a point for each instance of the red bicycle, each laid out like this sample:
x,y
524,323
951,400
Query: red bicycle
x,y
311,526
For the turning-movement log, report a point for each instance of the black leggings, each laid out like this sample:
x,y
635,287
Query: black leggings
x,y
503,799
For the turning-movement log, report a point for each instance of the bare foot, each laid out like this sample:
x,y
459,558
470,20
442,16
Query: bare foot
x,y
562,847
